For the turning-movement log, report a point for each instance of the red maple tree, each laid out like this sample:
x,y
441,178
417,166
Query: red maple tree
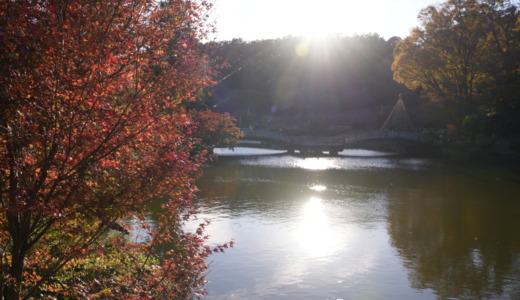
x,y
91,131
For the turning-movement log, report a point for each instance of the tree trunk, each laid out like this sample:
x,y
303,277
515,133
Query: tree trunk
x,y
18,252
12,290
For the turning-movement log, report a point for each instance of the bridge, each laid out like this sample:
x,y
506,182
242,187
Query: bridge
x,y
393,141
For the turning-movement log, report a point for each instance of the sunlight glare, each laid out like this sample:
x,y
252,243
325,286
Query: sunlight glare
x,y
310,44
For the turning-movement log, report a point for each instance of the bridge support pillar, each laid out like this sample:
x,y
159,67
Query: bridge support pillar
x,y
333,152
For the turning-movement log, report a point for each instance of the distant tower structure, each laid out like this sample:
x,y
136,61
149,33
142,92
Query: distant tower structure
x,y
398,119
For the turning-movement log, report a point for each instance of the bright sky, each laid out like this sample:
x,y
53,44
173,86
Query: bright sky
x,y
266,19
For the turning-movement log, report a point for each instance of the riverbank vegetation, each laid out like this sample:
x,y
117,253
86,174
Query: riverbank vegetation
x,y
466,55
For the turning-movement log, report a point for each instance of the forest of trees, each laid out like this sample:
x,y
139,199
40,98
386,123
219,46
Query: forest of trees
x,y
466,54
297,76
459,67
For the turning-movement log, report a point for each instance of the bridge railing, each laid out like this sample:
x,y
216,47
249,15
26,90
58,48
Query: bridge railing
x,y
339,140
377,134
295,140
266,134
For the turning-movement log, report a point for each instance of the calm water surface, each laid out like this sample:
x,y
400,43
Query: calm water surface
x,y
361,228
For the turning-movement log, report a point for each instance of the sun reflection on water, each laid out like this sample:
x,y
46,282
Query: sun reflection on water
x,y
317,163
318,188
316,235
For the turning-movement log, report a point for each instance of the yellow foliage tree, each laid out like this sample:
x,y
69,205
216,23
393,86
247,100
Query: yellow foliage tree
x,y
457,54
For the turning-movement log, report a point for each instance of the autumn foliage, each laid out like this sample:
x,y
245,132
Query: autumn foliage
x,y
91,131
467,55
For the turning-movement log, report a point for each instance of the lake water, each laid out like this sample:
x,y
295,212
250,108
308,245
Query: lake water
x,y
361,228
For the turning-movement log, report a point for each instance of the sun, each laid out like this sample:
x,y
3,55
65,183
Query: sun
x,y
271,19
267,19
319,19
